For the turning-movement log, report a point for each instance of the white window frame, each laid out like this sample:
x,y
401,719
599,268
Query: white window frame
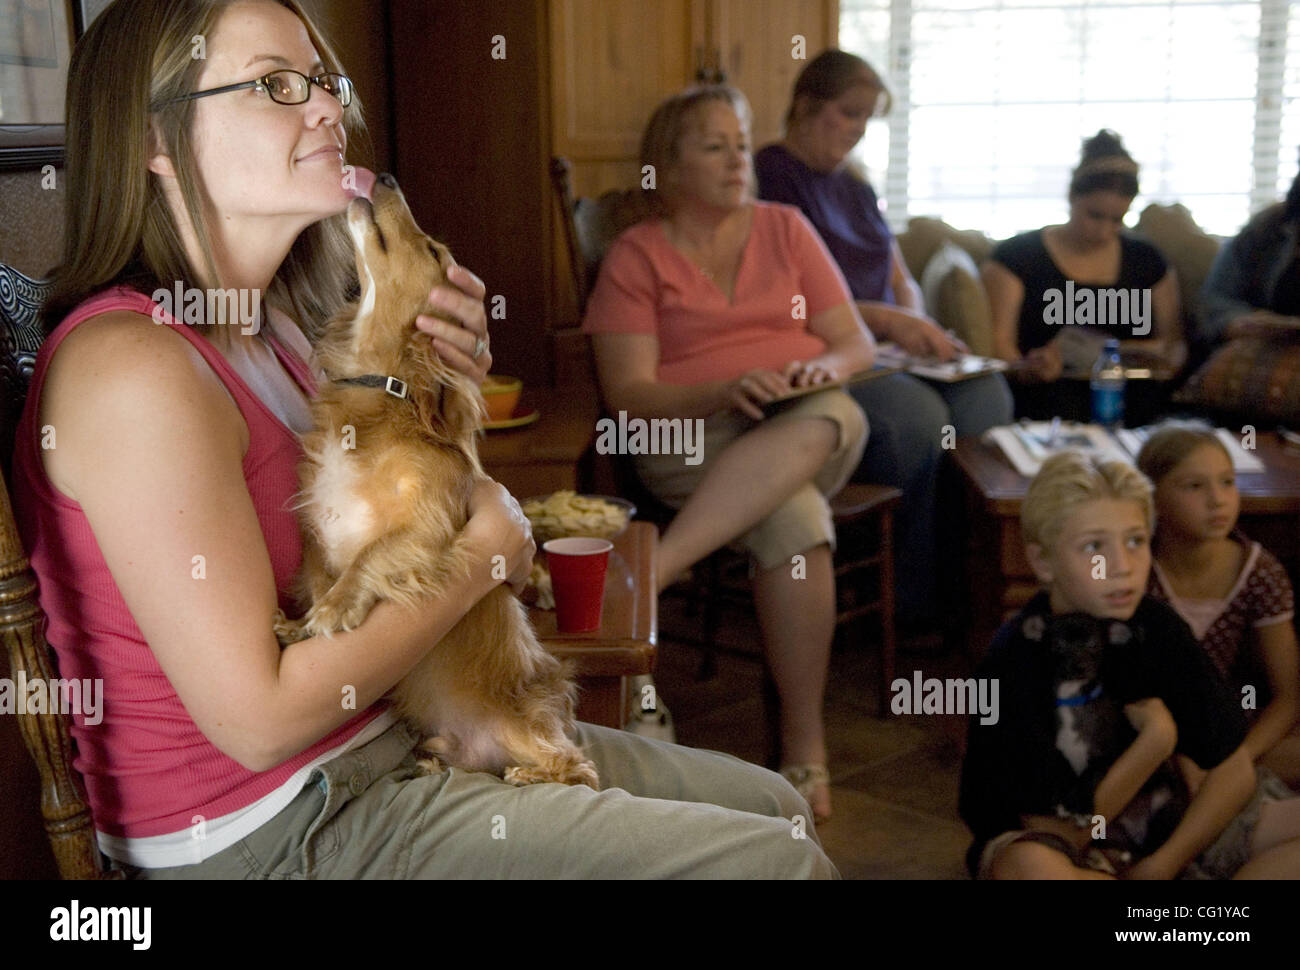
x,y
1269,168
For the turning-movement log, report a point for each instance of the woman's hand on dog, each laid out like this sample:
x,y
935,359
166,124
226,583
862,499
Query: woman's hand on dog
x,y
498,527
462,300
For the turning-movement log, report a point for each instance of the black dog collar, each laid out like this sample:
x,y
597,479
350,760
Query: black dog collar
x,y
391,385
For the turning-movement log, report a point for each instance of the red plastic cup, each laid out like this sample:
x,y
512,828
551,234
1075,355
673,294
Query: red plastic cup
x,y
578,578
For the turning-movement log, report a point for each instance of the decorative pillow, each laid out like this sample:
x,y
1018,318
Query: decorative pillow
x,y
955,297
925,236
20,339
1187,247
20,330
1251,376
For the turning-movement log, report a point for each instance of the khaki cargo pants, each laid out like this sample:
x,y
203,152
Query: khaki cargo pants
x,y
664,811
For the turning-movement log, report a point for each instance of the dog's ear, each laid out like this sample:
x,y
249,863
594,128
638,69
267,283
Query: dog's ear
x,y
463,409
449,405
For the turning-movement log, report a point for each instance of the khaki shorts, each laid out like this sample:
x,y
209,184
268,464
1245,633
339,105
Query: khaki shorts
x,y
804,521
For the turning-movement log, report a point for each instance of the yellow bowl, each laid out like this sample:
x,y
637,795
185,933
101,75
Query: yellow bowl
x,y
501,395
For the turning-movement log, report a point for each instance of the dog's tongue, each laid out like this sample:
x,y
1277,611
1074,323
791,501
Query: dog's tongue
x,y
365,182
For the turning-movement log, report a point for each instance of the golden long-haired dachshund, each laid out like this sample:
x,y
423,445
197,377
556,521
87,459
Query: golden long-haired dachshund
x,y
390,464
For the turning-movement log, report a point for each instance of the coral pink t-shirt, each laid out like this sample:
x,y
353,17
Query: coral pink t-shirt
x,y
148,768
786,278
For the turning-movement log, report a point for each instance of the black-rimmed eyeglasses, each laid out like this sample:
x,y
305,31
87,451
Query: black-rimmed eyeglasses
x,y
283,87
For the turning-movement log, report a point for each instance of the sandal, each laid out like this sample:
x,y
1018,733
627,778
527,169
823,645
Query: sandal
x,y
805,779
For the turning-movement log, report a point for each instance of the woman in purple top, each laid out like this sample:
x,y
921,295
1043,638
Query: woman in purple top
x,y
833,98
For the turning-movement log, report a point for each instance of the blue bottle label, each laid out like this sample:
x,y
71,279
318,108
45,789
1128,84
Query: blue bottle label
x,y
1107,405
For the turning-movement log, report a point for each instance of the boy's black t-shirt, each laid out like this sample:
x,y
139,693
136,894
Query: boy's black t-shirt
x,y
1013,768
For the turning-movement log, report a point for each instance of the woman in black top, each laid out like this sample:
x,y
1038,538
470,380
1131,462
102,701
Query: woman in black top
x,y
1049,287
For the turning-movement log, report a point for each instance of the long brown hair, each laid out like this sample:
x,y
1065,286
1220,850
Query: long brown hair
x,y
118,227
1170,442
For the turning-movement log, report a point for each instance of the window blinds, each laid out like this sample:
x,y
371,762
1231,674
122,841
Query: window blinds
x,y
993,98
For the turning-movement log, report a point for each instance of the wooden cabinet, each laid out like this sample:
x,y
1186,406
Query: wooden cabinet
x,y
472,124
613,60
756,41
611,63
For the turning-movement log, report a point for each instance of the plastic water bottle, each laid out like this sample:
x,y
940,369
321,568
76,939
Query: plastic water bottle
x,y
1108,382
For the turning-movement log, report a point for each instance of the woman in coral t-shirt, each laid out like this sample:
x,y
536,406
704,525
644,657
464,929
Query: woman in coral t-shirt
x,y
709,312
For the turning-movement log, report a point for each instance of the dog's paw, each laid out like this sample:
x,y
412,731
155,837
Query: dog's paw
x,y
326,618
318,625
582,773
591,777
429,766
576,773
287,631
334,614
434,750
520,775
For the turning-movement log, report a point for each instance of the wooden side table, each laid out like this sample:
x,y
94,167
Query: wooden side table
x,y
625,644
546,456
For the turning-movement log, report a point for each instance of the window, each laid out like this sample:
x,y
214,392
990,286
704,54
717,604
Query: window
x,y
993,98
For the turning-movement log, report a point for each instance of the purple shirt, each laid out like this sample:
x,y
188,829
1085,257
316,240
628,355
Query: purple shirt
x,y
845,213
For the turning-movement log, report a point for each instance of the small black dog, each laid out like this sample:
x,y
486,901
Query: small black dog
x,y
1092,732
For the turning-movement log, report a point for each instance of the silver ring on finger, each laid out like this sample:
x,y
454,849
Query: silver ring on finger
x,y
480,345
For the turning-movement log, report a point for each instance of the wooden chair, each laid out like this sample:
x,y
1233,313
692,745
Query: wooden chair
x,y
63,801
863,514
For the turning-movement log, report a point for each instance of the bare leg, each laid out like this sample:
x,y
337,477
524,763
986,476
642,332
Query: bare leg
x,y
1282,861
1033,860
797,617
1284,758
751,478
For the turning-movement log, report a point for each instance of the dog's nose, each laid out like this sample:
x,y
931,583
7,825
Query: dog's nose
x,y
388,180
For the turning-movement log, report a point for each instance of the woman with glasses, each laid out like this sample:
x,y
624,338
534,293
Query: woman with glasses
x,y
154,477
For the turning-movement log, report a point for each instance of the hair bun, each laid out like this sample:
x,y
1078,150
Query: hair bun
x,y
1104,144
1105,165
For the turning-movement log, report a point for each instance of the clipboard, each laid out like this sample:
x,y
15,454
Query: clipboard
x,y
961,368
869,374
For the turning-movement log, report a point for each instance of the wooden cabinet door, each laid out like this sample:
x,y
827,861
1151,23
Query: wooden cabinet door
x,y
612,62
755,43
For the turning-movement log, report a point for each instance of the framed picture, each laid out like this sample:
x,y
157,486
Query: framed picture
x,y
36,38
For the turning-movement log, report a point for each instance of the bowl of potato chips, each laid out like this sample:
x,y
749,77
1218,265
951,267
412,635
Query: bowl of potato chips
x,y
565,514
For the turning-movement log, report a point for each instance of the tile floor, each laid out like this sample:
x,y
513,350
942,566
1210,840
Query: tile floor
x,y
894,779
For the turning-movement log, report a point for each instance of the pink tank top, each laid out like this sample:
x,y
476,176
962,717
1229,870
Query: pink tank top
x,y
148,768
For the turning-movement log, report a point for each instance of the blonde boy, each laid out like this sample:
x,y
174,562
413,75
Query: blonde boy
x,y
1087,528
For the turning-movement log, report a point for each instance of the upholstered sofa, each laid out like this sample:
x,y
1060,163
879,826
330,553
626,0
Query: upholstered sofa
x,y
957,299
1243,380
